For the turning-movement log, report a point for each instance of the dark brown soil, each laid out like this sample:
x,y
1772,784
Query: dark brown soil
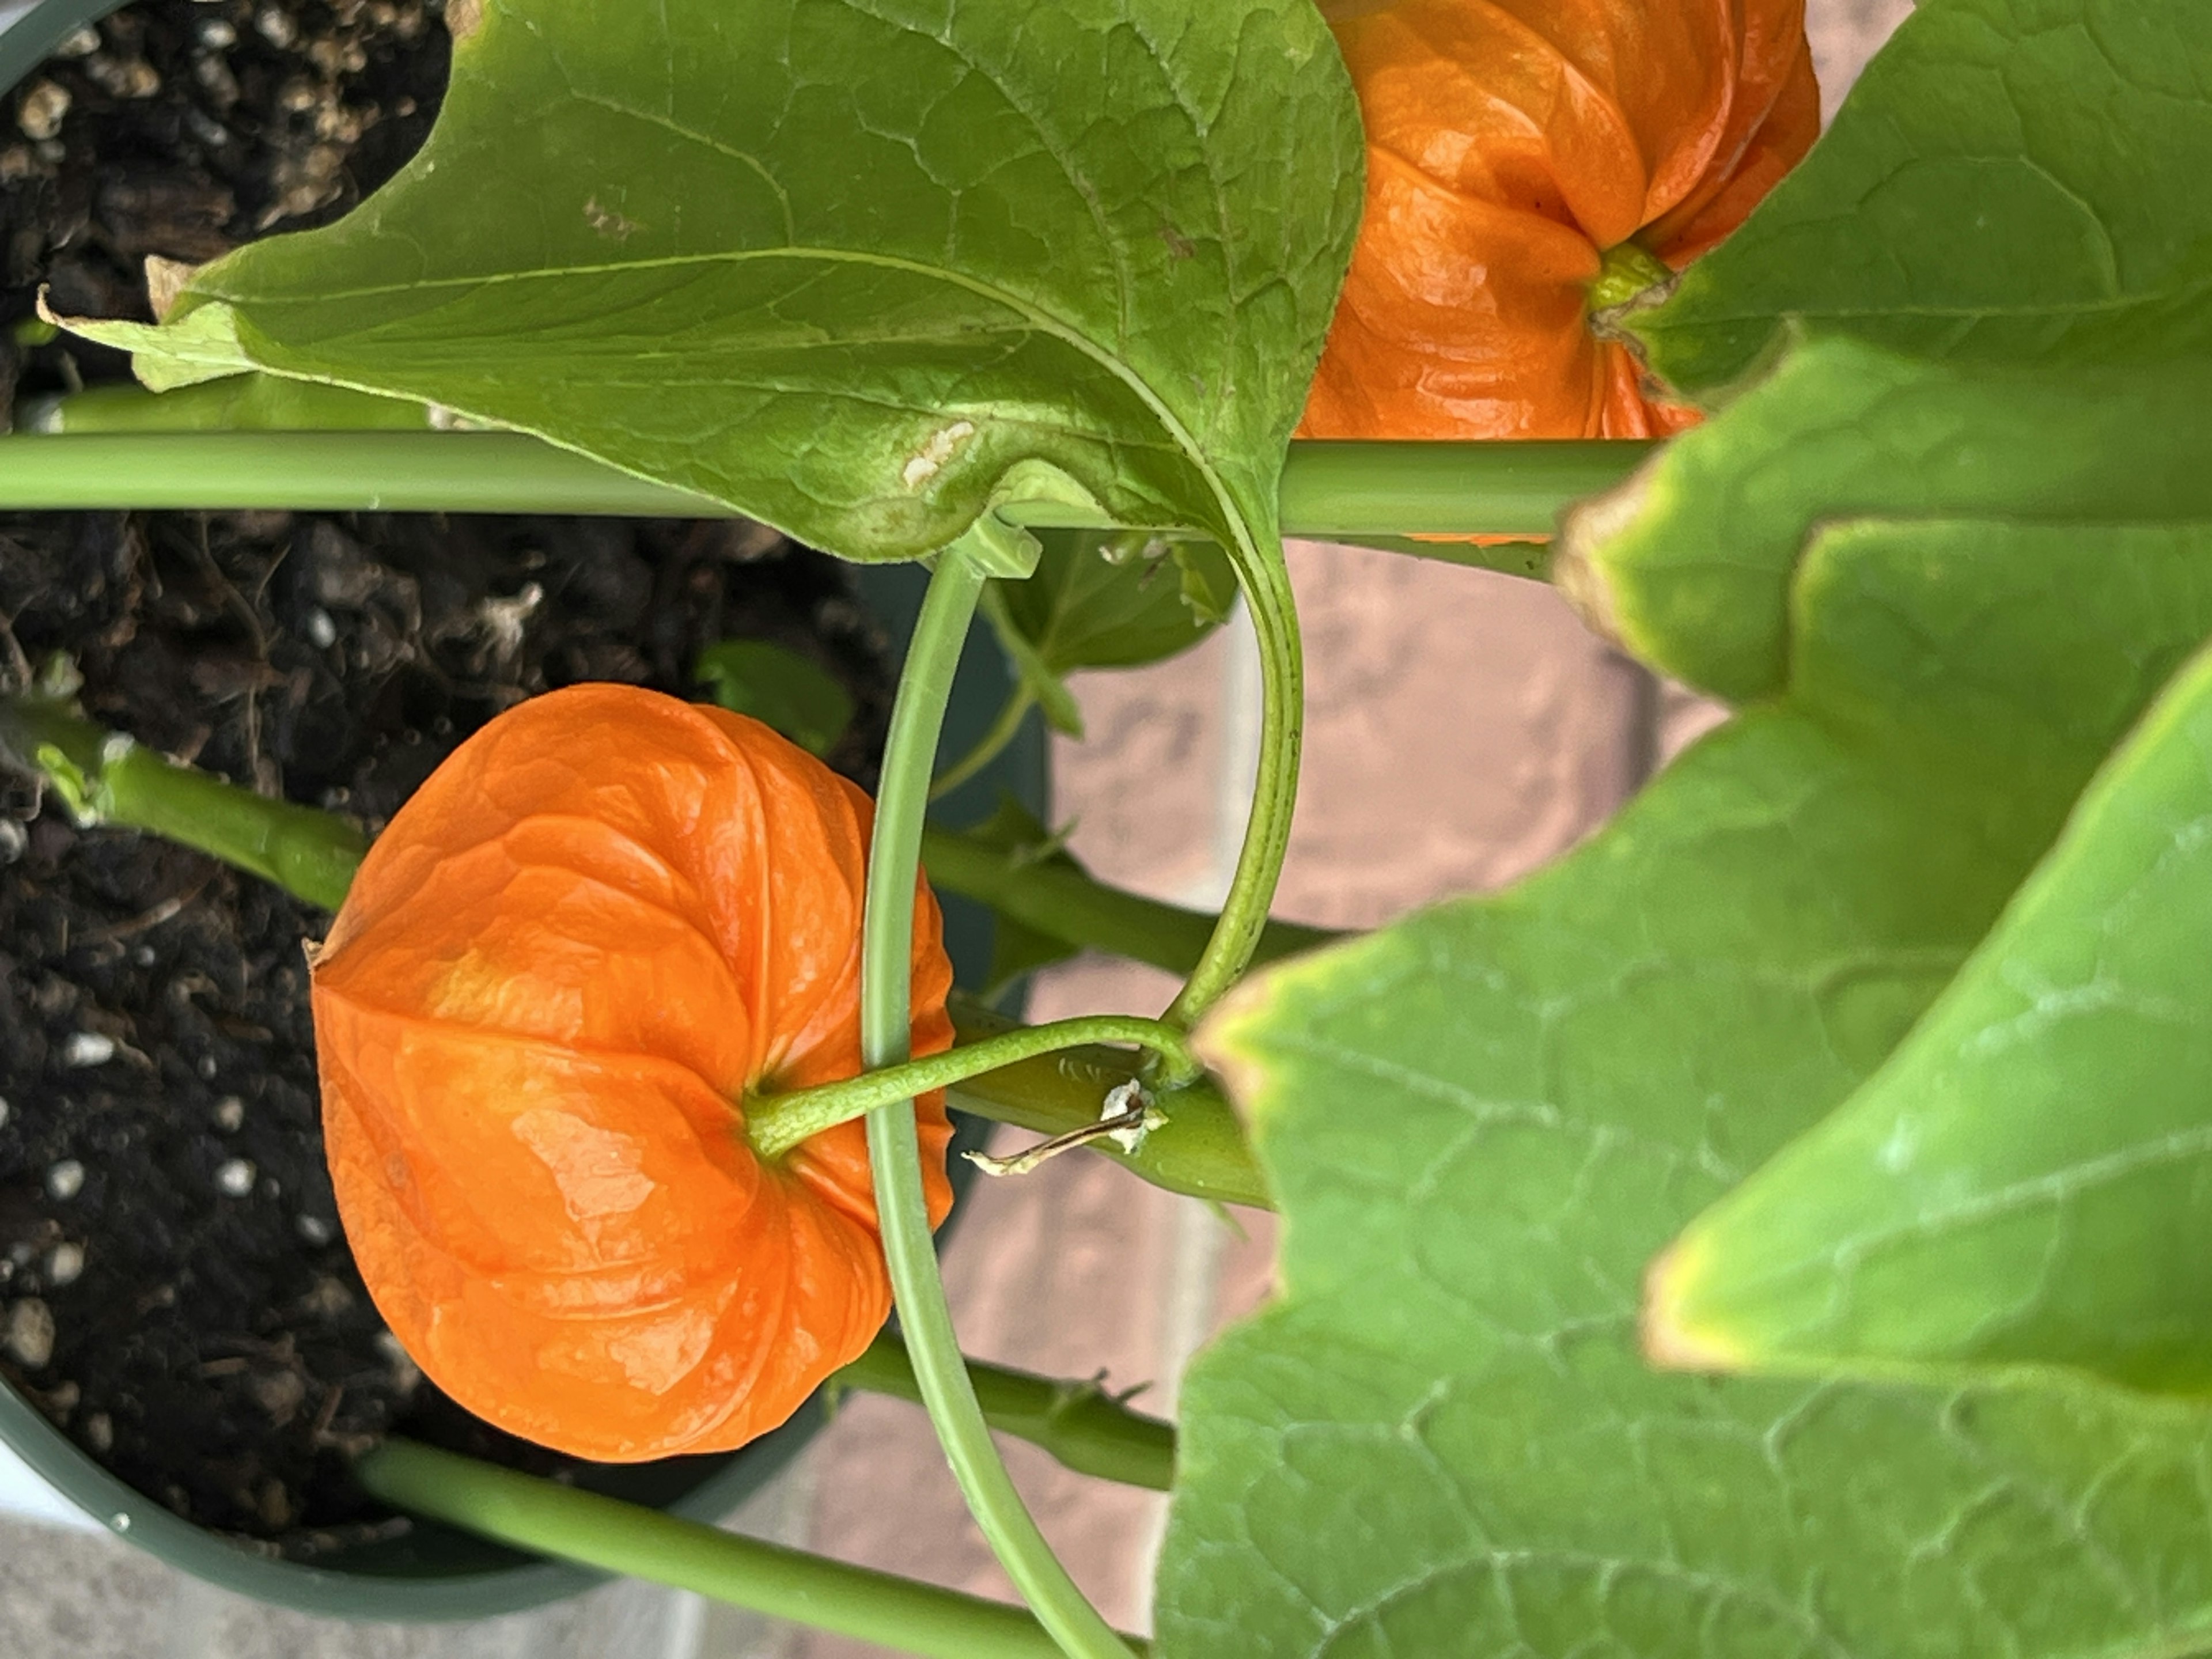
x,y
182,128
173,1290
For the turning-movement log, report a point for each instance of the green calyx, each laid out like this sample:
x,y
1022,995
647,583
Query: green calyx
x,y
1628,271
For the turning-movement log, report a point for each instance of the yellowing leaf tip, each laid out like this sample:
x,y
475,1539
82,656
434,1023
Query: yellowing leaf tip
x,y
1222,1041
165,282
1671,1342
1576,571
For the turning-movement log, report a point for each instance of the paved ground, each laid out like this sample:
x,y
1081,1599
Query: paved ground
x,y
1463,728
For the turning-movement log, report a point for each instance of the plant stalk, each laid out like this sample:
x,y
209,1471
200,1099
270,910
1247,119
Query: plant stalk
x,y
1080,1423
899,1614
894,1150
1329,489
106,777
776,1123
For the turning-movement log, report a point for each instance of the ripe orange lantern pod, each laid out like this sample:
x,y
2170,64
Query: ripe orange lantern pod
x,y
607,920
1514,145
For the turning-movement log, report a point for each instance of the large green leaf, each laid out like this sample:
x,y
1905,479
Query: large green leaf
x,y
1482,1124
2011,181
1687,563
2030,1176
846,264
1989,290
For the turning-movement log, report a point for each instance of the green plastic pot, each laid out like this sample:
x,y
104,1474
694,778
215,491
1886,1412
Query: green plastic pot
x,y
433,1573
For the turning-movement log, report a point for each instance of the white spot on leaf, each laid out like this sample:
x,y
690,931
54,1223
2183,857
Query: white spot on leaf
x,y
608,222
929,461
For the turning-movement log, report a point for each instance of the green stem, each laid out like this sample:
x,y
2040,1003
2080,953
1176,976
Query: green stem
x,y
537,1514
1266,582
777,1123
105,777
1328,488
1074,908
893,1151
1079,1423
1199,1150
990,746
1334,488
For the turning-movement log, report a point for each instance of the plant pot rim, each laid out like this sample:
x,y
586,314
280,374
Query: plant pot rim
x,y
435,1575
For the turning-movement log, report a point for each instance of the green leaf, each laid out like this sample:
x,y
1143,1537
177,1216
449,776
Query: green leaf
x,y
2011,181
259,402
1018,948
2030,1176
1045,687
794,695
1208,584
1687,564
1989,290
1482,1122
847,265
1118,600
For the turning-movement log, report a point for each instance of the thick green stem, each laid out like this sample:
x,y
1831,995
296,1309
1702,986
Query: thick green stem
x,y
536,1515
329,472
1079,1423
105,777
777,1123
1329,489
1075,908
1334,488
989,746
1199,1149
893,1151
1266,582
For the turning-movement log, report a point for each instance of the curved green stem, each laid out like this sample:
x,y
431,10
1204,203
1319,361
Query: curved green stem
x,y
899,1614
989,746
776,1123
1065,902
1266,581
1079,1425
893,1151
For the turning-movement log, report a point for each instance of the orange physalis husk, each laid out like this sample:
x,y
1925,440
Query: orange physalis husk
x,y
1510,144
604,919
